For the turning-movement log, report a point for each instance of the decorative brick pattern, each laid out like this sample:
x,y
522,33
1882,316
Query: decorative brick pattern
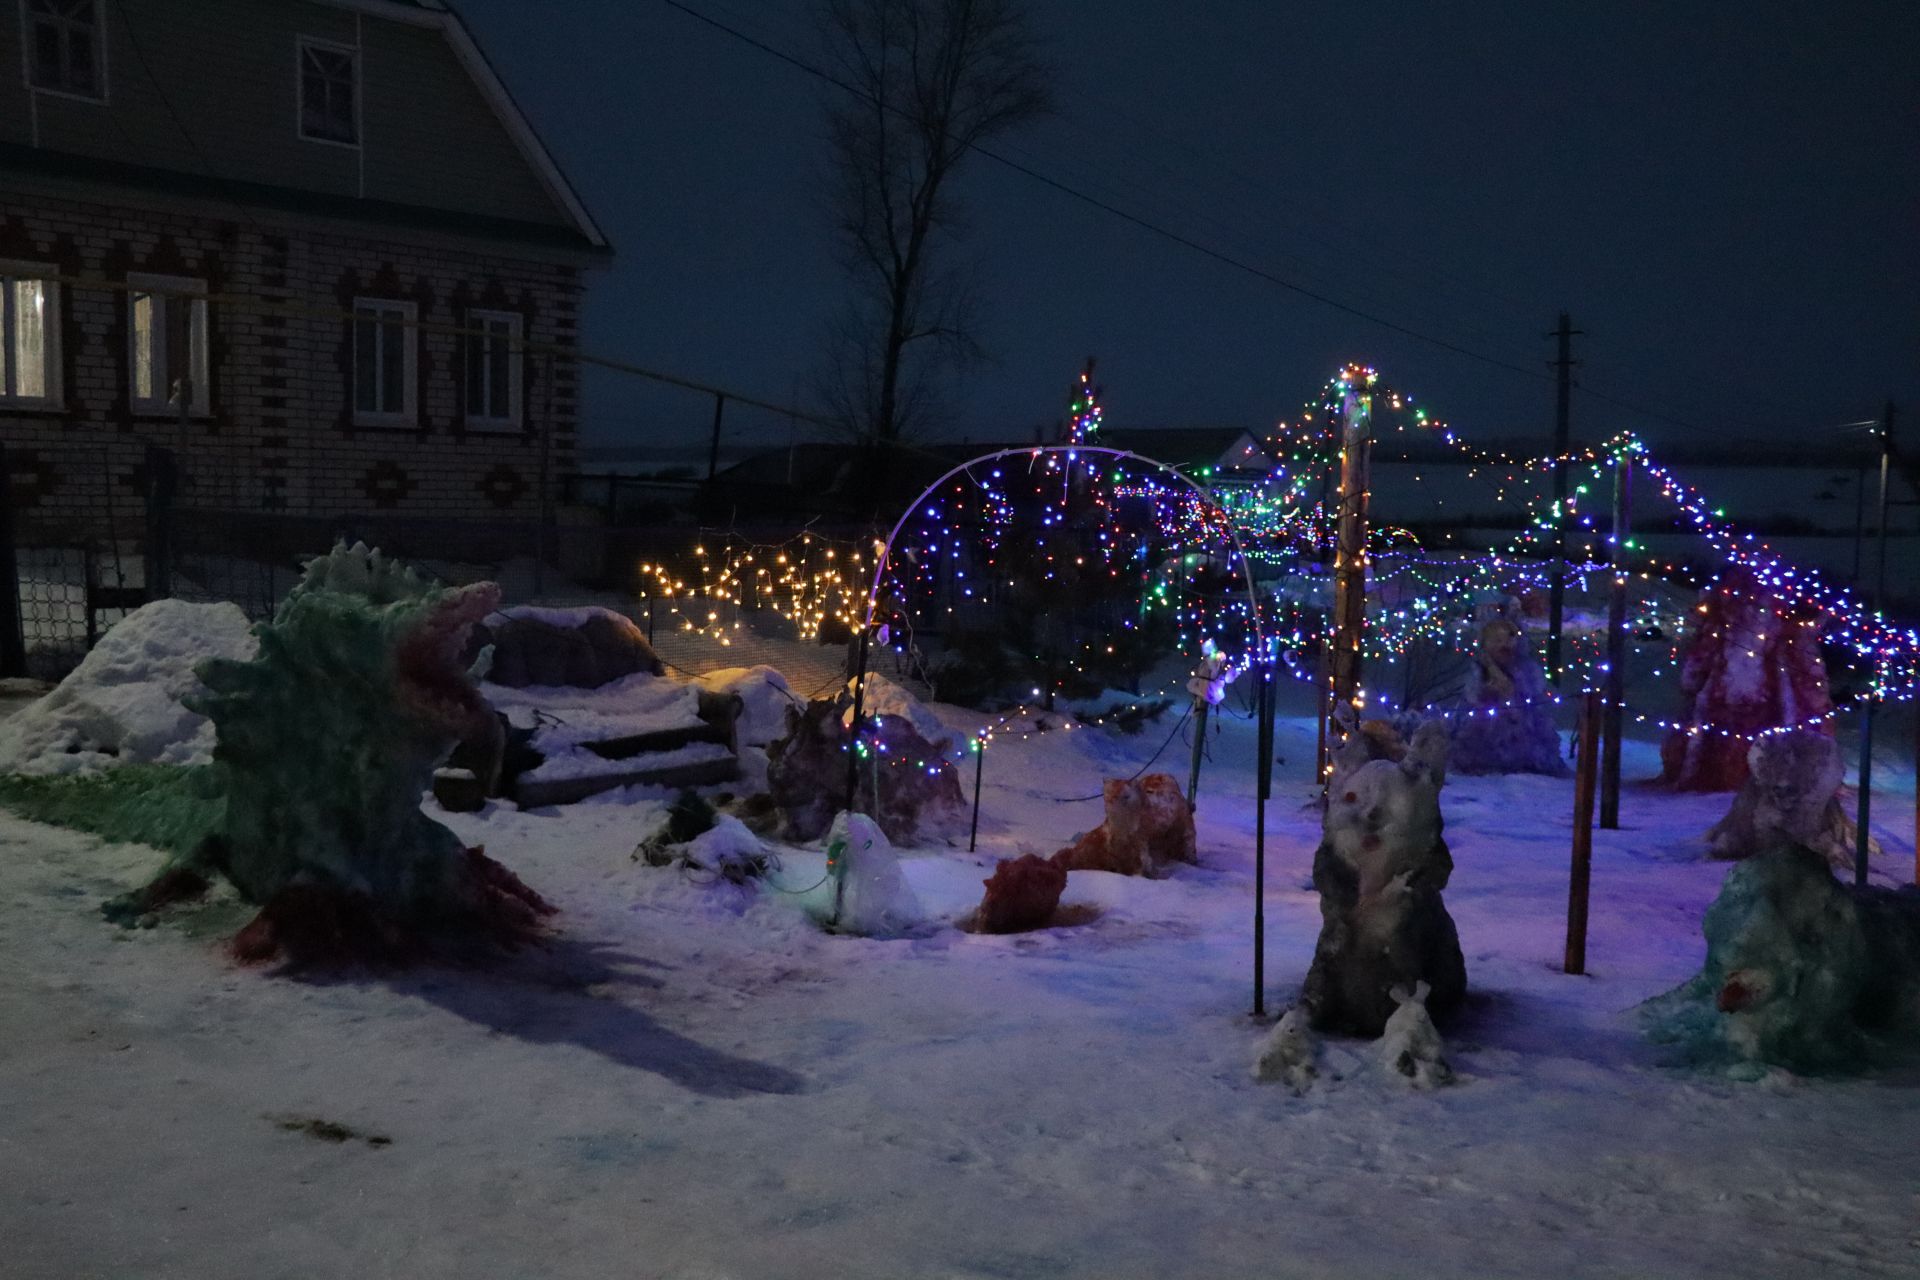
x,y
279,435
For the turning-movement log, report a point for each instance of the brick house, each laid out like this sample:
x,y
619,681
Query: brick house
x,y
323,224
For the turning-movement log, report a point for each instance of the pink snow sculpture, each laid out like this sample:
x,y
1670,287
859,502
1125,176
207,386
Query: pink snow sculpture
x,y
1751,663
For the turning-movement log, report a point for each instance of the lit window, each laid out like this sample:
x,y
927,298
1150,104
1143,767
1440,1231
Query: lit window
x,y
329,93
64,51
29,340
167,336
493,369
383,362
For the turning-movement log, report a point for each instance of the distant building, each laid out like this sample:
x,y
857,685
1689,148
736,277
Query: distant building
x,y
279,208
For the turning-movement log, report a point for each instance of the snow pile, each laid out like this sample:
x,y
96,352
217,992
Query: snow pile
x,y
766,696
884,697
122,703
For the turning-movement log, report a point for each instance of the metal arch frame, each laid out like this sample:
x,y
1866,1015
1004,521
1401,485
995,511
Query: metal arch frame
x,y
1035,452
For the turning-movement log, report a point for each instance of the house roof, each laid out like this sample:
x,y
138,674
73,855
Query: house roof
x,y
439,15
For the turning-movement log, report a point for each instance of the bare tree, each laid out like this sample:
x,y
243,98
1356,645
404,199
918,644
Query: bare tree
x,y
924,81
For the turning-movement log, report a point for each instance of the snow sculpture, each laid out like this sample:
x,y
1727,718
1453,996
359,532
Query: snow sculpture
x,y
1750,664
1022,894
1792,793
1379,869
326,741
903,778
1411,1044
1148,828
1507,723
1291,1052
870,896
584,648
1802,972
1211,676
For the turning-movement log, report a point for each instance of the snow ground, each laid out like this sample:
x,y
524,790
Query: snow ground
x,y
693,1082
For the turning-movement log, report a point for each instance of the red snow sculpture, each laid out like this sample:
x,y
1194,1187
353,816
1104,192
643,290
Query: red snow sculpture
x,y
1148,827
1022,895
1751,663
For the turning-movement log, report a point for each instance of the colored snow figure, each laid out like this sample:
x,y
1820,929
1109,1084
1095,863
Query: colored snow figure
x,y
1506,725
1411,1044
1379,869
326,741
870,896
1750,664
904,779
1802,971
1148,828
1792,793
1022,894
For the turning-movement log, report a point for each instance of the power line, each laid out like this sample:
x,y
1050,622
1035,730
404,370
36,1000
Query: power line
x,y
1145,224
1224,258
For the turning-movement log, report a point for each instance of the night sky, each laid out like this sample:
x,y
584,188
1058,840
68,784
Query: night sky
x,y
1725,196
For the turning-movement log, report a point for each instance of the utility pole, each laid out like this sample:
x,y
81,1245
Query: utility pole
x,y
1860,836
1562,441
713,450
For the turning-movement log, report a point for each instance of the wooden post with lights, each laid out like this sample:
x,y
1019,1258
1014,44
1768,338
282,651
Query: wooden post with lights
x,y
1562,441
1861,838
1350,548
1616,639
1580,879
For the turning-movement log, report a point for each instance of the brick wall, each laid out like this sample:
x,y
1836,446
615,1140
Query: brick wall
x,y
280,434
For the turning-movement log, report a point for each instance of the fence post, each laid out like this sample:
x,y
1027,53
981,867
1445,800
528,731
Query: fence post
x,y
13,637
162,480
1579,881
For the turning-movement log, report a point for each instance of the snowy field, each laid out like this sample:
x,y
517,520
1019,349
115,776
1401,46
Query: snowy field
x,y
692,1081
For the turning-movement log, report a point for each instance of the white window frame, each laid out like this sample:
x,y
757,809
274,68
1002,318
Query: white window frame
x,y
53,399
516,398
99,57
408,416
166,293
300,46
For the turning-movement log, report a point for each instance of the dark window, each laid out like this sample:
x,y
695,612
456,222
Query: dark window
x,y
493,370
67,55
383,362
328,86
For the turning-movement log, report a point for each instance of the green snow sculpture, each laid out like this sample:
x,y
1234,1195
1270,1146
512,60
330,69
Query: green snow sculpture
x,y
326,741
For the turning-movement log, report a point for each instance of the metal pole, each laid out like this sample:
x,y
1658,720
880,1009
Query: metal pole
x,y
1579,882
1616,642
1562,439
159,498
1263,790
13,636
979,764
1199,745
1860,834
